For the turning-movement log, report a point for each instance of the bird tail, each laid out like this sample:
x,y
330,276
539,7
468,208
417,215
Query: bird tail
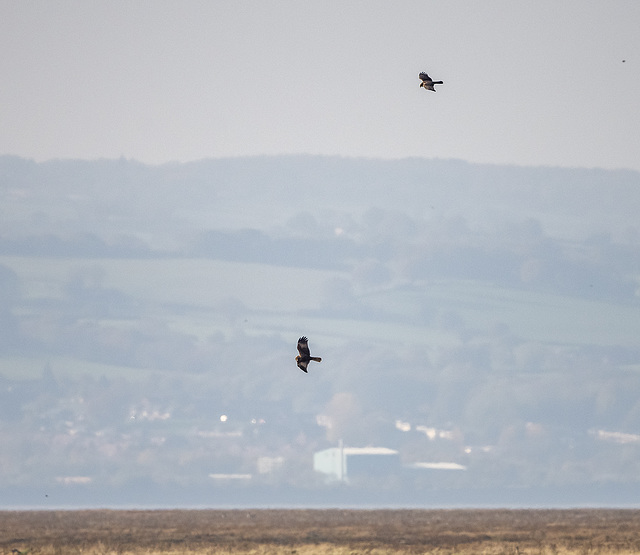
x,y
317,359
438,82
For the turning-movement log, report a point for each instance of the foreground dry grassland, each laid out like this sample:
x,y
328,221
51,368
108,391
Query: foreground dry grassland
x,y
302,532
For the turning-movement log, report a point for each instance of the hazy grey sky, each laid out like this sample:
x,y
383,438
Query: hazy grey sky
x,y
526,82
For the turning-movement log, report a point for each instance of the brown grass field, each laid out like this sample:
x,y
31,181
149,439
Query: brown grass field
x,y
300,532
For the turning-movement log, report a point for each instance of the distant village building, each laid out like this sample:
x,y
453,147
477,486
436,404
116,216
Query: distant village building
x,y
74,480
225,477
436,466
267,465
342,463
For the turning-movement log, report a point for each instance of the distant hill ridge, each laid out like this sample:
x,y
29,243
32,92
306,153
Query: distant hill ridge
x,y
268,189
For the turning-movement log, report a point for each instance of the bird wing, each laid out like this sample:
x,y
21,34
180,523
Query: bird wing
x,y
424,76
302,364
303,348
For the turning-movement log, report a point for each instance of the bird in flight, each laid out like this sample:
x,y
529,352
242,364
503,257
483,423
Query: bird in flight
x,y
305,357
428,83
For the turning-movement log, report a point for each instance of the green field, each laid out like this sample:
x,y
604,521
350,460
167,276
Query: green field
x,y
195,282
201,298
30,368
531,315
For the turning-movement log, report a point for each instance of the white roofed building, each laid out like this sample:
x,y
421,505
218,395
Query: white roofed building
x,y
342,463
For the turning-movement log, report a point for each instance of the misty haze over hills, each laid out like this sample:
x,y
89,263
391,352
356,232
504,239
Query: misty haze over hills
x,y
486,316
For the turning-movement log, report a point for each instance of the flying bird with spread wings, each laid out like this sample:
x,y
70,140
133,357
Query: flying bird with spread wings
x,y
428,83
305,357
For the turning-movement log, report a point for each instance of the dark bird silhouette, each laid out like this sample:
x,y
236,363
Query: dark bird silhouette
x,y
428,83
305,357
